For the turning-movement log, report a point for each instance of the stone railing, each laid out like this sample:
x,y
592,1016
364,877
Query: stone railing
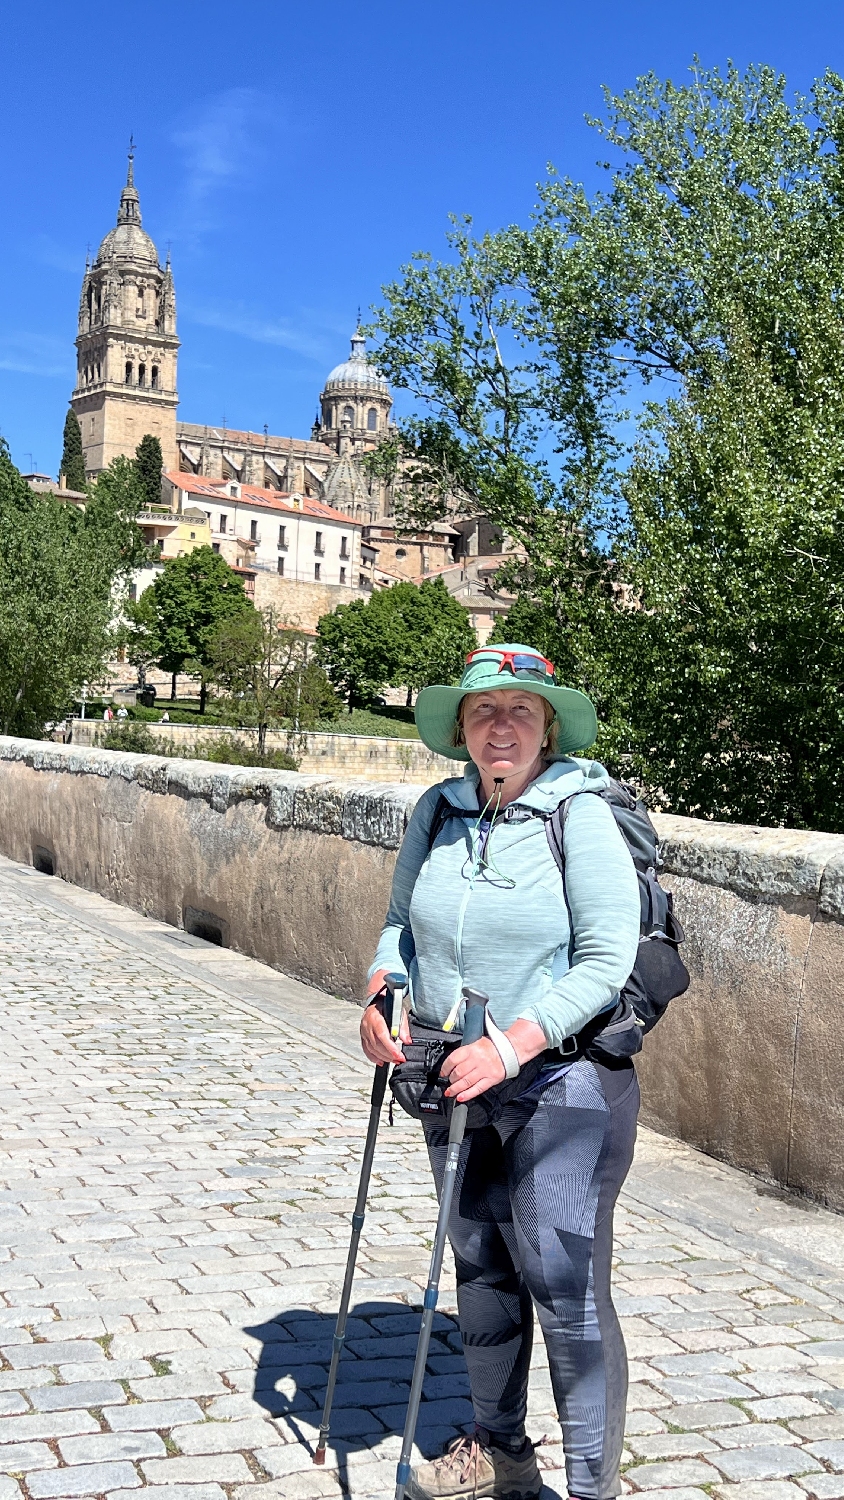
x,y
371,756
295,870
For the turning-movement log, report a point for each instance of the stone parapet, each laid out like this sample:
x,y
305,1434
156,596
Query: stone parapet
x,y
295,870
373,757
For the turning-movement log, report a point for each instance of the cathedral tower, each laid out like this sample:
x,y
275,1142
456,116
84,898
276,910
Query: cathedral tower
x,y
127,345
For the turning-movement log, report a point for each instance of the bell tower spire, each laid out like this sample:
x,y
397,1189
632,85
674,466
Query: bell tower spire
x,y
126,345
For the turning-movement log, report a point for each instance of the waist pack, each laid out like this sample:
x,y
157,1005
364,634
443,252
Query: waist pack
x,y
659,974
417,1087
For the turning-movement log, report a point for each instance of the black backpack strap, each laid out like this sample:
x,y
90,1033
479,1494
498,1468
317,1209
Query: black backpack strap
x,y
443,811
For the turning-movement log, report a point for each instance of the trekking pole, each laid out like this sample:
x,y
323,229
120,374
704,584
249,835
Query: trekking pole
x,y
473,1029
396,984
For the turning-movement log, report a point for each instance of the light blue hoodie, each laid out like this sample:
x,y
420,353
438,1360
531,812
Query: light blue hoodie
x,y
504,923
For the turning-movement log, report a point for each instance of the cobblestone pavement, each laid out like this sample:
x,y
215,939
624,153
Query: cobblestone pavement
x,y
180,1145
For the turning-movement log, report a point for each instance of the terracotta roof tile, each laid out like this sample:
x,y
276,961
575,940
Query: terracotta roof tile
x,y
253,494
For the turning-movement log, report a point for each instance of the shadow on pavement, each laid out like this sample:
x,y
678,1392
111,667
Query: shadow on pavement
x,y
373,1381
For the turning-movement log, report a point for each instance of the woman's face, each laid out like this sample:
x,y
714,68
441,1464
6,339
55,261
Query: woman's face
x,y
504,730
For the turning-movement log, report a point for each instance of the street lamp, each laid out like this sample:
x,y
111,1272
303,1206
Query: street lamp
x,y
84,695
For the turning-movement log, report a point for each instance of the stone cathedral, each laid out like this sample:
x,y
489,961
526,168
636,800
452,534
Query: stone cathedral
x,y
127,353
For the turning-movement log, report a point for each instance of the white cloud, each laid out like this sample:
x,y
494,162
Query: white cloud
x,y
48,252
322,345
36,354
222,145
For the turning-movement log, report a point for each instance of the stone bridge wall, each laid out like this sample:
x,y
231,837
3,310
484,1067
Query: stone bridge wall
x,y
373,757
295,870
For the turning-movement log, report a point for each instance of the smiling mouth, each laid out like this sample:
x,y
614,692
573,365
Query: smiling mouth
x,y
510,746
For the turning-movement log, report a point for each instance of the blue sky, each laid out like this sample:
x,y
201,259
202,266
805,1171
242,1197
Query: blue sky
x,y
294,155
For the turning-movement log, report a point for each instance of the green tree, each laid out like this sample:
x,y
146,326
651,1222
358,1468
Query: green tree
x,y
141,639
149,463
432,634
408,636
359,646
263,664
642,387
191,597
62,572
73,460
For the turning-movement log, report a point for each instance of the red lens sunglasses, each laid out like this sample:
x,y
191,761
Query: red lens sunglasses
x,y
518,661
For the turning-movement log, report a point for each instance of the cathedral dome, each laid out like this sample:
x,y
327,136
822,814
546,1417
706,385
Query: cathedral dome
x,y
128,241
356,372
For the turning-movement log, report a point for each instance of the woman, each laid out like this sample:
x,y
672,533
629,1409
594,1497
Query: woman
x,y
485,905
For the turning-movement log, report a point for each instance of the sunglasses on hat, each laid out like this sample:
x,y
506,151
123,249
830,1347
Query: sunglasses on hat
x,y
519,662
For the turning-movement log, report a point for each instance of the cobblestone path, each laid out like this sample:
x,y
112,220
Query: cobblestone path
x,y
180,1145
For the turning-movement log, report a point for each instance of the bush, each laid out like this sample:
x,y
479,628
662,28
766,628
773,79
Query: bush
x,y
226,750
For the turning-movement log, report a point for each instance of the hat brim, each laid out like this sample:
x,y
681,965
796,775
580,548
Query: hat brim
x,y
436,716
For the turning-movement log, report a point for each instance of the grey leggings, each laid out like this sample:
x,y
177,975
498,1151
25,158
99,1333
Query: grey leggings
x,y
532,1227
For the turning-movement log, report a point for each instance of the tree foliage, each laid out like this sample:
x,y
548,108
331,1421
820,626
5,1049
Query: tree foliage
x,y
73,460
266,669
61,571
643,388
149,463
406,636
191,597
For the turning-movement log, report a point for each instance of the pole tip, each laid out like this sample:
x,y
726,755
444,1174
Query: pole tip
x,y
319,1457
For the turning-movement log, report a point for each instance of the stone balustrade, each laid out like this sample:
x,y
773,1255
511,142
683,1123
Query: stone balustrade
x,y
295,870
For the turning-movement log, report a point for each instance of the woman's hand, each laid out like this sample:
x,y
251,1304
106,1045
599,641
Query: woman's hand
x,y
472,1070
375,1037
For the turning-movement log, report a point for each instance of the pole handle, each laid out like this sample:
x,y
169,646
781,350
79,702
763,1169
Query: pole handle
x,y
476,1003
397,984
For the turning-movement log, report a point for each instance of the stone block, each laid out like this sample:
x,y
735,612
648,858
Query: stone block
x,y
688,1472
818,1486
759,1489
816,1163
705,1414
766,1463
220,1468
831,1452
18,1458
86,1479
107,1447
737,944
817,1429
81,1393
671,1445
140,1416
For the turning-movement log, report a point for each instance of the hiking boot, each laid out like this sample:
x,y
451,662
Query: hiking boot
x,y
473,1469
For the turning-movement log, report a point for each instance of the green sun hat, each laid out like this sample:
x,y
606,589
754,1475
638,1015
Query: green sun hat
x,y
490,668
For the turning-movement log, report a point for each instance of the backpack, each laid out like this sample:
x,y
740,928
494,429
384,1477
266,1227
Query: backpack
x,y
659,974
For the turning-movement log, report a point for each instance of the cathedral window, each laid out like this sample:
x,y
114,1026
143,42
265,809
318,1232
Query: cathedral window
x,y
154,380
349,415
372,420
142,374
128,372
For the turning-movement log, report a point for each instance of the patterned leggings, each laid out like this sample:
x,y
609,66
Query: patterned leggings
x,y
532,1227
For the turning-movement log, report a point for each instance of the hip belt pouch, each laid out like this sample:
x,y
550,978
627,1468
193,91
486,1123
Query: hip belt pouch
x,y
417,1087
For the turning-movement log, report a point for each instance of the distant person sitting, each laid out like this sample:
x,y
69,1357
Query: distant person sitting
x,y
123,712
165,717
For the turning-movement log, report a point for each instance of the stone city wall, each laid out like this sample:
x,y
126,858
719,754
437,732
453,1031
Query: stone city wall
x,y
370,756
295,870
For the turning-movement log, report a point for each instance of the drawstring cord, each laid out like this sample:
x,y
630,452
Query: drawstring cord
x,y
479,863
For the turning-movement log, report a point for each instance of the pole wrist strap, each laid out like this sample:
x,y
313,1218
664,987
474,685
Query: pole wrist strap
x,y
504,1047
